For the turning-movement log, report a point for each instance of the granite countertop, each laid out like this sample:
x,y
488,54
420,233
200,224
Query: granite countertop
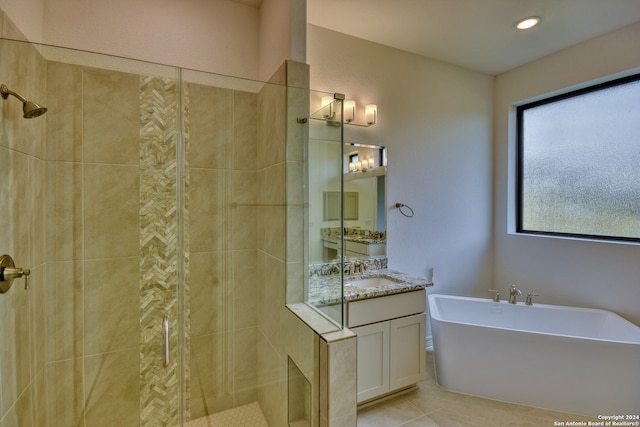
x,y
357,239
325,290
366,240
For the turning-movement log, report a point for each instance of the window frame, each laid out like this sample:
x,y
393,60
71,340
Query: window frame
x,y
519,156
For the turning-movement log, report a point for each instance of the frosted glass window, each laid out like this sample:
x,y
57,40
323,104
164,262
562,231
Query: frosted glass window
x,y
579,163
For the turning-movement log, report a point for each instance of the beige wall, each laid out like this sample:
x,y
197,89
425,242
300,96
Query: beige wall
x,y
219,36
571,272
26,15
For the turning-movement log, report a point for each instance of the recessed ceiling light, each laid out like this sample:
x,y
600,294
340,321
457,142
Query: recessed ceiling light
x,y
527,23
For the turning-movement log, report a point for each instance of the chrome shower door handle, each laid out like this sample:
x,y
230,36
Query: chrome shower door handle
x,y
165,341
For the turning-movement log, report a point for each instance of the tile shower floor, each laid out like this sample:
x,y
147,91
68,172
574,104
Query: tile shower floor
x,y
433,406
243,416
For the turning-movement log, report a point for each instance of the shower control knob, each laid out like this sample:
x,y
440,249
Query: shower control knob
x,y
8,272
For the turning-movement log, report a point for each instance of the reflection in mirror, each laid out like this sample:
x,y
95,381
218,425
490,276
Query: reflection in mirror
x,y
364,180
331,205
365,174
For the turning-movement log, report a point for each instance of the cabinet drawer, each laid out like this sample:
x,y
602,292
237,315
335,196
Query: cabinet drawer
x,y
361,248
387,307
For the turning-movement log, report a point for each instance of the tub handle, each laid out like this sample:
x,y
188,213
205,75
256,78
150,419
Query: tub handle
x,y
496,294
529,300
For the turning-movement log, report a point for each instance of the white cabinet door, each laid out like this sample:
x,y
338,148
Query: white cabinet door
x,y
373,360
408,358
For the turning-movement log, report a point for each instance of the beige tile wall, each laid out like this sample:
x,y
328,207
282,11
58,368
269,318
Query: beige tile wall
x,y
93,301
223,257
22,169
272,359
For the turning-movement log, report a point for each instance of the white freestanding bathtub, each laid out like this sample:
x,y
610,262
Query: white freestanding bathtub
x,y
576,360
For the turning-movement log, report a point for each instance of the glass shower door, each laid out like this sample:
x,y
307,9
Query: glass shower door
x,y
113,306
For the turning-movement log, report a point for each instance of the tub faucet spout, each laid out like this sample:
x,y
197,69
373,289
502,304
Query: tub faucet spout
x,y
514,294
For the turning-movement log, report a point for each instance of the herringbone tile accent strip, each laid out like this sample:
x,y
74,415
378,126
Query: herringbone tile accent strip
x,y
159,252
186,306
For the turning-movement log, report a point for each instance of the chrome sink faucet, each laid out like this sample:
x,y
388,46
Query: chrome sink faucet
x,y
354,267
514,294
349,267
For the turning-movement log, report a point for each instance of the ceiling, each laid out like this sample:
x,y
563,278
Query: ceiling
x,y
475,34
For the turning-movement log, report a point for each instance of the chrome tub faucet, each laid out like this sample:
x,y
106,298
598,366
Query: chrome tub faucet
x,y
514,293
529,300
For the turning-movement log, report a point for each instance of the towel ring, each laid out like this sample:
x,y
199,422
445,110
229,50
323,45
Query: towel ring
x,y
408,212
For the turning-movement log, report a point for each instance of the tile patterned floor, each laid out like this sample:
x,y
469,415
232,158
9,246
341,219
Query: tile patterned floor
x,y
432,406
243,416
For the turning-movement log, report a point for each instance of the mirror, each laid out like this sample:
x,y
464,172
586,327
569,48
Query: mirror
x,y
346,206
363,176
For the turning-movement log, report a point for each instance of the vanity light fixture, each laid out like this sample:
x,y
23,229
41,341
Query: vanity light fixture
x,y
370,162
349,116
371,114
327,101
349,111
526,23
330,111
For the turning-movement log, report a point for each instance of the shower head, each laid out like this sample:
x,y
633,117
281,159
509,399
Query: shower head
x,y
29,108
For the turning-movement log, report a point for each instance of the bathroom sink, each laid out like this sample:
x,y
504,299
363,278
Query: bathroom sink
x,y
369,282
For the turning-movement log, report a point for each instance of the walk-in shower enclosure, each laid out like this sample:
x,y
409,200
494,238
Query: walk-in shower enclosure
x,y
157,209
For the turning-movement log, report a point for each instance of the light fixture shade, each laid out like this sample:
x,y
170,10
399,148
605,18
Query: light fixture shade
x,y
327,100
371,114
349,111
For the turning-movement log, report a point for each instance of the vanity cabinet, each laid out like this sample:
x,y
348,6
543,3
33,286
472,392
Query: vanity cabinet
x,y
391,342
